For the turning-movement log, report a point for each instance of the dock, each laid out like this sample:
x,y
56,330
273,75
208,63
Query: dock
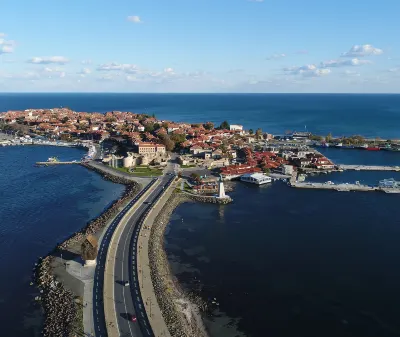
x,y
336,187
369,168
343,187
46,163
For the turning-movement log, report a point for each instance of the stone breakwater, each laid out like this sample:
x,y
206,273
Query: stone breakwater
x,y
181,315
58,303
61,311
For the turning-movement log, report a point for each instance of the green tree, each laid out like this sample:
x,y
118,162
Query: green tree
x,y
65,119
149,127
328,138
224,125
209,126
258,133
156,126
178,138
251,131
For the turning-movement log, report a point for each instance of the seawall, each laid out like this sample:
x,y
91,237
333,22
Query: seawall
x,y
60,308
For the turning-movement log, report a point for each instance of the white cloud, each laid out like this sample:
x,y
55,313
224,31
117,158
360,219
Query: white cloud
x,y
362,50
344,63
6,46
309,70
86,61
52,73
84,71
135,19
49,60
128,68
276,56
394,70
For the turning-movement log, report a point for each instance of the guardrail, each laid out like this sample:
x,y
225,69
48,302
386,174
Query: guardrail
x,y
144,322
98,308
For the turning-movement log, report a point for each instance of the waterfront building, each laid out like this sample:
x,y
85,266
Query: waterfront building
x,y
235,127
256,178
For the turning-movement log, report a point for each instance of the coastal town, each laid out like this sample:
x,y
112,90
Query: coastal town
x,y
142,145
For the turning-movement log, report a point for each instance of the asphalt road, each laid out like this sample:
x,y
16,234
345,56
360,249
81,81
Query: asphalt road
x,y
128,299
98,306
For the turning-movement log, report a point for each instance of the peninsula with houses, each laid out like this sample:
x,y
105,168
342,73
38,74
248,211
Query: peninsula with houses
x,y
163,164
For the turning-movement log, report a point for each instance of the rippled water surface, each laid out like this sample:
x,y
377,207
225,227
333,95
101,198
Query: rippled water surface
x,y
286,262
38,208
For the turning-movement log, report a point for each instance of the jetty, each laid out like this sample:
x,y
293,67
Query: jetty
x,y
46,163
369,168
343,187
346,187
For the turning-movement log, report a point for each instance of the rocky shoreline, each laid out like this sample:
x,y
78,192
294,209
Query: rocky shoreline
x,y
181,312
60,305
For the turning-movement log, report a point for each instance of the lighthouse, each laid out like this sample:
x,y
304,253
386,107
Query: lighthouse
x,y
221,189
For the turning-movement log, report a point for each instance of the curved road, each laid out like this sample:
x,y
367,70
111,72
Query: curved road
x,y
128,300
98,307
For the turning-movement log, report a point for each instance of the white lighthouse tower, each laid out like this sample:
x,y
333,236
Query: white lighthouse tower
x,y
221,189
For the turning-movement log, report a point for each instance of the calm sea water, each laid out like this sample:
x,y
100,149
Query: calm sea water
x,y
369,115
284,262
38,208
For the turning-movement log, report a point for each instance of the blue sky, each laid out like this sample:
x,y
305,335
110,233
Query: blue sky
x,y
200,46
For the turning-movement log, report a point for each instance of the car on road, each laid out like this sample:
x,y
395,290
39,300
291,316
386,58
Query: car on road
x,y
132,318
126,284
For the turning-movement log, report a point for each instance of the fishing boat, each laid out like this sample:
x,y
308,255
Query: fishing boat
x,y
339,145
348,147
373,148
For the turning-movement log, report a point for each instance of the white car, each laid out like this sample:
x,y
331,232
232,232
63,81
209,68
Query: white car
x,y
126,283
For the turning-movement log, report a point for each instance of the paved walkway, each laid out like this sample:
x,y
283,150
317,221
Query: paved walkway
x,y
146,285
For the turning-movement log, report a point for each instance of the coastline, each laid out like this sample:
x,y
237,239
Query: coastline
x,y
180,311
62,308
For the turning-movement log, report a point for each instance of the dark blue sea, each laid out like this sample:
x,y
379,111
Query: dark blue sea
x,y
280,262
39,207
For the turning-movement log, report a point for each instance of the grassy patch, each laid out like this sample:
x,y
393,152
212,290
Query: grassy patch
x,y
141,171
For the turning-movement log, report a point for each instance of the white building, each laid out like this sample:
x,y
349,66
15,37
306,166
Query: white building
x,y
235,127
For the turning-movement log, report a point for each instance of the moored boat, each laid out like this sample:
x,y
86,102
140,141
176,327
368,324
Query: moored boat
x,y
373,148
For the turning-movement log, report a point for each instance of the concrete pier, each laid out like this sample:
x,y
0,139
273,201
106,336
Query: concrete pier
x,y
337,187
45,163
343,187
369,168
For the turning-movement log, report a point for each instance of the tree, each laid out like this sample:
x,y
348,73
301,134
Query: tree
x,y
149,127
153,115
224,125
165,125
258,133
65,119
178,138
209,126
251,131
168,142
266,170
